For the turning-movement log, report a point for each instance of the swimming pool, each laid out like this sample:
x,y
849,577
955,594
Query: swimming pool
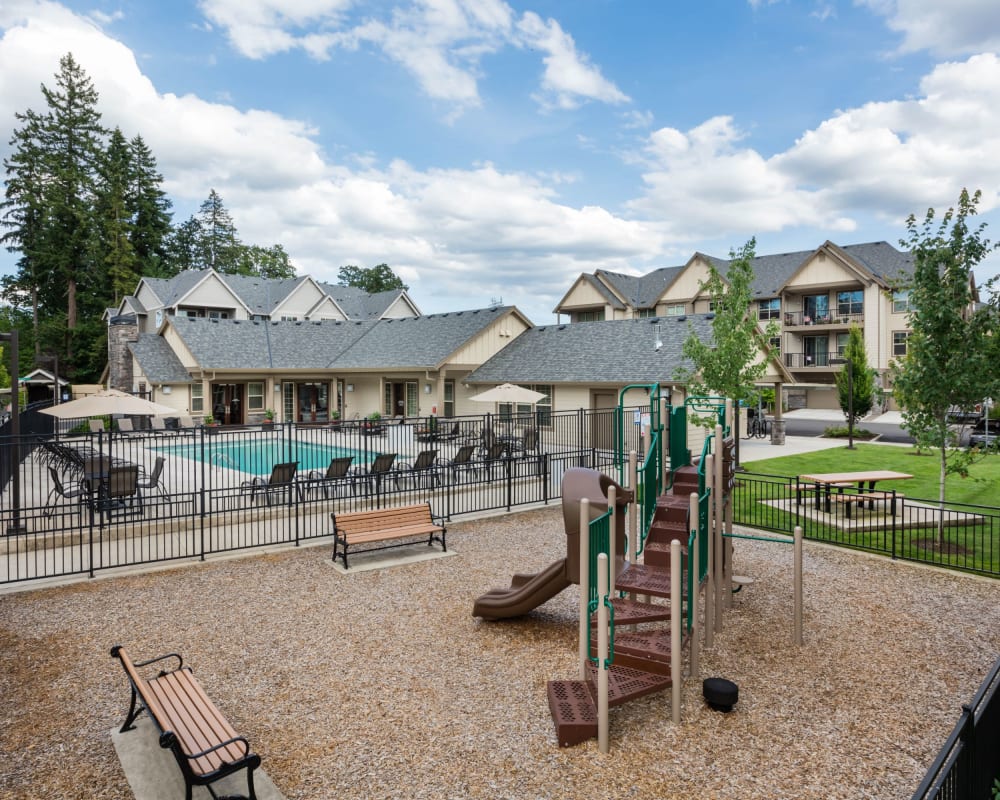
x,y
259,457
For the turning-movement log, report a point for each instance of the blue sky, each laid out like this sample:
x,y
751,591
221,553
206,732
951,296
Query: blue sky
x,y
488,149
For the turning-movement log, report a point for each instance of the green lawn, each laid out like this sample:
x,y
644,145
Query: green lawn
x,y
980,488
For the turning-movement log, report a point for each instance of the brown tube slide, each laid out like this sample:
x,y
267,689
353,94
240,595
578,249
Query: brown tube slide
x,y
526,592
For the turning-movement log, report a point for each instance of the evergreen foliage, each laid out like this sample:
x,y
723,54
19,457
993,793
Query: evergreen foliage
x,y
860,380
373,280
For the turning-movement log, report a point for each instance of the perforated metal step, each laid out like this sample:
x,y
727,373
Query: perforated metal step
x,y
573,711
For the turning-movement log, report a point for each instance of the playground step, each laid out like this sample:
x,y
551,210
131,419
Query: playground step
x,y
643,579
649,650
572,704
685,480
656,552
633,612
672,503
573,710
627,683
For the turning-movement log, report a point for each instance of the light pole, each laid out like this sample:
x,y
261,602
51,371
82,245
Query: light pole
x,y
850,398
15,430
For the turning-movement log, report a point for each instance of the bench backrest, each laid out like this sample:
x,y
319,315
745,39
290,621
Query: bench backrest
x,y
382,519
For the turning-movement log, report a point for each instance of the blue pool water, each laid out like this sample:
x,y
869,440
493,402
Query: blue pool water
x,y
258,458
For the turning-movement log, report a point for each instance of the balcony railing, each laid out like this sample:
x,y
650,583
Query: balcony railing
x,y
796,318
810,360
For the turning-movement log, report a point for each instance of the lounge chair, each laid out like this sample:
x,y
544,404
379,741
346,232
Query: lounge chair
x,y
423,472
96,425
528,443
374,476
127,428
279,485
333,480
462,462
159,426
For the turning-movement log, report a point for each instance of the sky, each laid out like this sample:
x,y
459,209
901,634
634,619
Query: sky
x,y
493,151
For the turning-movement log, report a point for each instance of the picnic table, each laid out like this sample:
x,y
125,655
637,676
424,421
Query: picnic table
x,y
865,481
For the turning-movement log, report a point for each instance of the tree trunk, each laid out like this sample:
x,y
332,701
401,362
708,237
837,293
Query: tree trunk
x,y
70,318
941,479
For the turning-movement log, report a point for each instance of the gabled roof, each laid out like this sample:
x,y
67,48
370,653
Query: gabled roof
x,y
158,362
613,352
599,286
642,291
358,304
425,342
233,344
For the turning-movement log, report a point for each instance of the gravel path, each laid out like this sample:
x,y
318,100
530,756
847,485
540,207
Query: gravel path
x,y
381,684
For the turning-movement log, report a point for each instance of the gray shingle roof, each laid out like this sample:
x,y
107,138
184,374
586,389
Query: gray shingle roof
x,y
262,295
642,291
615,352
250,344
423,342
410,343
158,361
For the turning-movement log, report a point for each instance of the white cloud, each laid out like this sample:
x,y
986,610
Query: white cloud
x,y
569,75
886,159
459,236
953,28
441,43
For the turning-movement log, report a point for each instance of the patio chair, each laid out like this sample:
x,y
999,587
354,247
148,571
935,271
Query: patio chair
x,y
118,491
462,462
59,491
96,425
526,444
152,480
333,480
159,426
377,472
126,427
484,466
279,485
423,472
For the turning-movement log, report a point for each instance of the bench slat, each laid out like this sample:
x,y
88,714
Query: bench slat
x,y
391,533
197,722
382,525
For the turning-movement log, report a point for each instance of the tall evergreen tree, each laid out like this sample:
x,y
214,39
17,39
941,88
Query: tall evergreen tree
x,y
218,244
70,141
115,266
150,209
24,214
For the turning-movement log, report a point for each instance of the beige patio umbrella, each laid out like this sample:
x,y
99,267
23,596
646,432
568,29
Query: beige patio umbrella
x,y
108,401
508,393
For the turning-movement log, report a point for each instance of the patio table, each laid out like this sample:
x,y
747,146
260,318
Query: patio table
x,y
823,481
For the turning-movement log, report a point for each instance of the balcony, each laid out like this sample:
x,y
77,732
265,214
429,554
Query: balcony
x,y
794,319
813,360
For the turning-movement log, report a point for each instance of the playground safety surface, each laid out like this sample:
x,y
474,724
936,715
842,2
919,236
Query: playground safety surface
x,y
383,685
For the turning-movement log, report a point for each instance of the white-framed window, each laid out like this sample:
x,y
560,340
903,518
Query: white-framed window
x,y
255,396
645,313
842,340
197,397
851,302
775,344
675,310
449,399
590,316
769,309
901,301
899,343
289,319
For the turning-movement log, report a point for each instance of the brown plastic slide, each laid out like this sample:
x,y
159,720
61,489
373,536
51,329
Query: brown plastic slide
x,y
526,592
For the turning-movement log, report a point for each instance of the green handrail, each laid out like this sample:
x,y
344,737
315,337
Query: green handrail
x,y
600,542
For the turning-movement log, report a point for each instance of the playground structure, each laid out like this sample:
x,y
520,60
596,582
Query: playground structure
x,y
675,548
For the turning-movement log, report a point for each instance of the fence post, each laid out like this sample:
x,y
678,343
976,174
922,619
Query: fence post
x,y
797,558
584,627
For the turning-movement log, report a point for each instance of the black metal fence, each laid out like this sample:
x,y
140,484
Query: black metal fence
x,y
954,535
92,501
968,766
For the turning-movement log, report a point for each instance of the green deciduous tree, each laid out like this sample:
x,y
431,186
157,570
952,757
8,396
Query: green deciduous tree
x,y
860,380
373,280
950,351
731,364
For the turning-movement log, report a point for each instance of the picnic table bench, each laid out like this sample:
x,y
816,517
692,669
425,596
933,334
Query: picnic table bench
x,y
385,527
191,727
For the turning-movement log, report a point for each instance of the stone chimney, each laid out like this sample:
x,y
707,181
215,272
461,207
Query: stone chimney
x,y
122,330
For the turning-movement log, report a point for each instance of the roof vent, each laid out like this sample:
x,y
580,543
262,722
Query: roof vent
x,y
215,321
562,327
710,315
681,318
654,320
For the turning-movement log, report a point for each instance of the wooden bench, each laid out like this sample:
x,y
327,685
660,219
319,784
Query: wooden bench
x,y
867,497
385,525
191,727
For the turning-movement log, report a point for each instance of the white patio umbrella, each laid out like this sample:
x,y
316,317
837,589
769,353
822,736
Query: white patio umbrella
x,y
108,401
508,393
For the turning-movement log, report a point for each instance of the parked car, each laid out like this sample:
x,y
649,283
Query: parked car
x,y
980,437
965,416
